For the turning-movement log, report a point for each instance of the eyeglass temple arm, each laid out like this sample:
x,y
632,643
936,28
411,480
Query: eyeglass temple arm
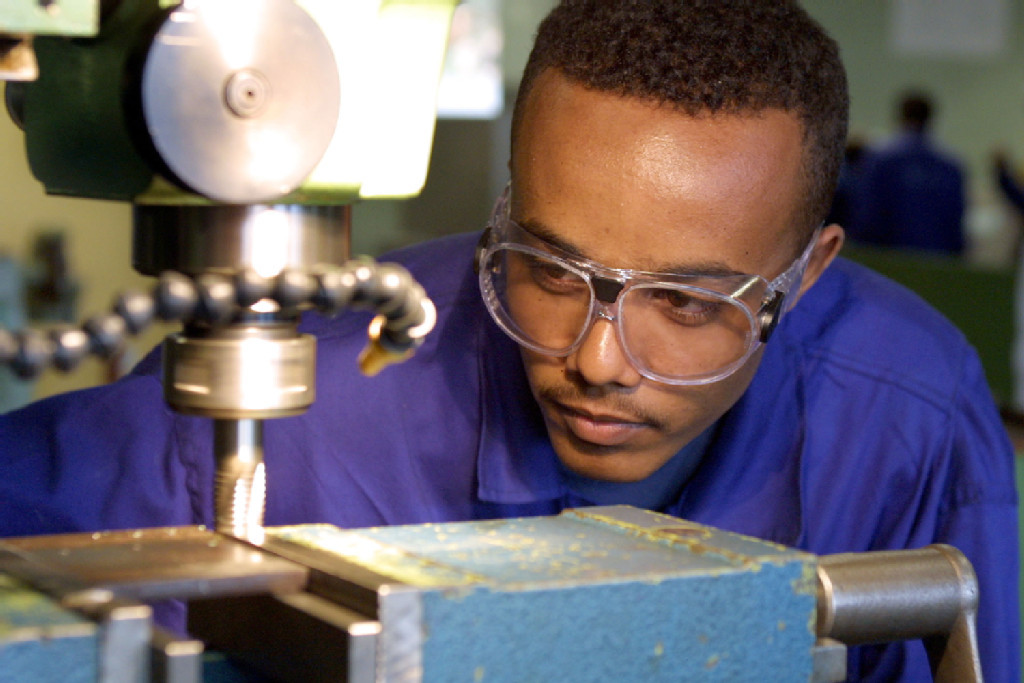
x,y
770,314
481,247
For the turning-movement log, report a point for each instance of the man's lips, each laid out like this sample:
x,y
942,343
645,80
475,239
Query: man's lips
x,y
597,428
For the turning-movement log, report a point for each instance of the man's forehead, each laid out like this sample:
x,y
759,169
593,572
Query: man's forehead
x,y
587,162
667,261
552,91
567,122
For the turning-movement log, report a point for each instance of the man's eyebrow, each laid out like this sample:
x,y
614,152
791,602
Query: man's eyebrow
x,y
702,268
541,231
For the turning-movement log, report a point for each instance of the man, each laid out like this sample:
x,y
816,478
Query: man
x,y
911,193
671,165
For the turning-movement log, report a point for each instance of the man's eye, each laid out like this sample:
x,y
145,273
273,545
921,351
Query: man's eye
x,y
686,308
551,275
549,270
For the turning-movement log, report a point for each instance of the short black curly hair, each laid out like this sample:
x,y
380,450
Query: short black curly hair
x,y
707,57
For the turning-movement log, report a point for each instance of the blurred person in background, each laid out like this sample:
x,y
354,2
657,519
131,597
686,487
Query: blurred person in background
x,y
911,192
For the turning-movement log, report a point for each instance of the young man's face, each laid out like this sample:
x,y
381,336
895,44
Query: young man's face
x,y
634,185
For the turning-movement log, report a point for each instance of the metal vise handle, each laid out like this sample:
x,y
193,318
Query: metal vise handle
x,y
931,593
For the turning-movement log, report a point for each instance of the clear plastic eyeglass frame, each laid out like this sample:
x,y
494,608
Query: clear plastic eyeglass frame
x,y
762,302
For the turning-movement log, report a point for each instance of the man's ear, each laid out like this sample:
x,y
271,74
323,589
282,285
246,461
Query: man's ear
x,y
830,241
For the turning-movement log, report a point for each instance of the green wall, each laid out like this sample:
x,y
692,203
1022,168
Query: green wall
x,y
980,99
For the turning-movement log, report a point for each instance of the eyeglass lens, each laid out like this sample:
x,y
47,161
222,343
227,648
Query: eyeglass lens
x,y
672,331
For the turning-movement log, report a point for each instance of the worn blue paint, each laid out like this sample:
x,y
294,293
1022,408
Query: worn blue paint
x,y
585,597
729,627
42,642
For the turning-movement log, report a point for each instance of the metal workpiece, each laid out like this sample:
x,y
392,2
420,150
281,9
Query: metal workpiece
x,y
244,601
77,600
147,565
884,596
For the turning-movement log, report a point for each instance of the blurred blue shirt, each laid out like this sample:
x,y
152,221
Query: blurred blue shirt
x,y
910,194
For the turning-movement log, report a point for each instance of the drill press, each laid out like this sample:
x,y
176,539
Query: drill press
x,y
241,131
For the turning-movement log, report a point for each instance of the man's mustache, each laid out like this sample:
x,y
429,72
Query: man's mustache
x,y
606,402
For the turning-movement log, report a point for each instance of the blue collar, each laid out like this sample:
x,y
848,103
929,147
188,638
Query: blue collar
x,y
515,461
653,493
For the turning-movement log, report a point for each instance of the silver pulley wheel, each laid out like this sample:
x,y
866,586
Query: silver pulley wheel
x,y
240,97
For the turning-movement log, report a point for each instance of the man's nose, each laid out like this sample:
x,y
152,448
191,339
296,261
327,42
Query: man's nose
x,y
600,360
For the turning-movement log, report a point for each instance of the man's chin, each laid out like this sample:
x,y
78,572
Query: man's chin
x,y
606,463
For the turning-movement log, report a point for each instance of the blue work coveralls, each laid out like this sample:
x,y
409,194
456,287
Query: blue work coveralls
x,y
868,426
